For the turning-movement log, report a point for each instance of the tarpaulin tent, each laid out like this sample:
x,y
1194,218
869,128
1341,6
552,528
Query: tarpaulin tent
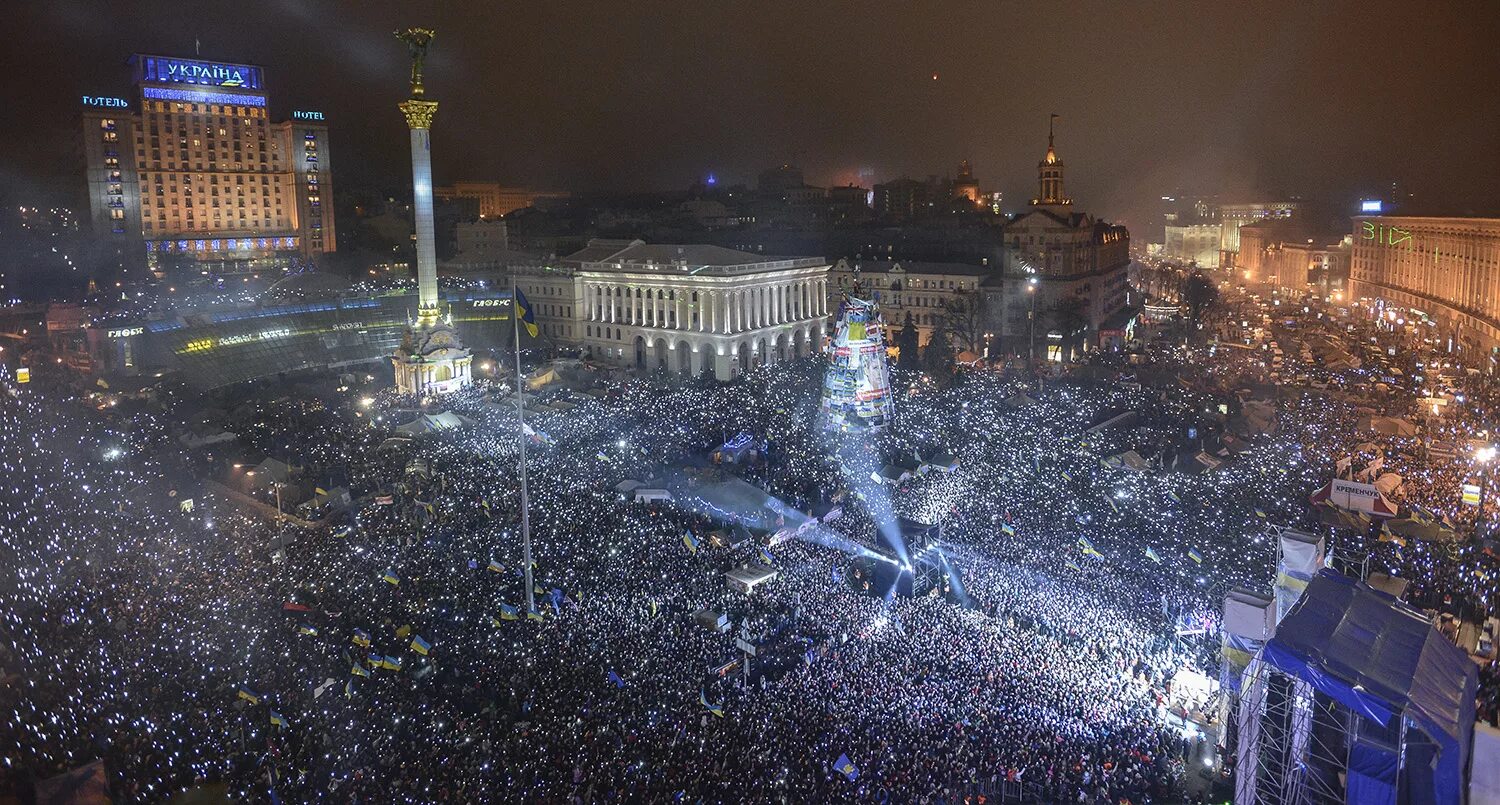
x,y
1385,662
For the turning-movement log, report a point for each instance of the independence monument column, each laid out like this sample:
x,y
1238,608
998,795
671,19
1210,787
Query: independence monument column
x,y
431,359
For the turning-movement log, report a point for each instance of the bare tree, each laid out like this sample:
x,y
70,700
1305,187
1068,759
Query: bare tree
x,y
967,316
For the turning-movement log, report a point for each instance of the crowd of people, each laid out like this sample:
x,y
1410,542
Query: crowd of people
x,y
391,656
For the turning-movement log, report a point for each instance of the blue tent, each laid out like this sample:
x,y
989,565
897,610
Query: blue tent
x,y
1382,659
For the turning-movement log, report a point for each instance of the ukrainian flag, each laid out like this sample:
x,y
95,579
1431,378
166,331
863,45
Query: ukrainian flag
x,y
765,556
249,695
496,567
361,638
391,578
1008,528
307,629
277,720
1087,547
533,615
1072,565
420,646
523,310
1259,512
1066,477
509,613
716,709
1153,555
690,542
1195,556
1173,496
358,670
391,663
348,688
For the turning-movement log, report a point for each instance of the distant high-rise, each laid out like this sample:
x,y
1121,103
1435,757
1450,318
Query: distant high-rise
x,y
196,170
966,186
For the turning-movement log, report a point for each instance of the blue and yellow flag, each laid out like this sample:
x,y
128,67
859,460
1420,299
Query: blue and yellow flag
x,y
1088,547
390,577
533,615
509,613
846,767
277,720
308,629
765,556
1008,528
523,310
496,567
1259,512
420,646
249,695
348,688
1173,496
1153,555
361,638
358,670
690,541
716,709
391,663
1195,556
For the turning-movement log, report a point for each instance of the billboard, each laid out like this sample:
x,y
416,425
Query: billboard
x,y
168,70
1360,497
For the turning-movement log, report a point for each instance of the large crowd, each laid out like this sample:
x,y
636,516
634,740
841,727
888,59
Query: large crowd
x,y
390,657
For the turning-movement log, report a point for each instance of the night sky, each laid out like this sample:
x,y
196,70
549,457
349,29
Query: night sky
x,y
1326,100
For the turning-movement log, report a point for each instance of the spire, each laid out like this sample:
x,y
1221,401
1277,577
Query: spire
x,y
1051,152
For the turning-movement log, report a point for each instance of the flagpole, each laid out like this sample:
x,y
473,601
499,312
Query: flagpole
x,y
515,320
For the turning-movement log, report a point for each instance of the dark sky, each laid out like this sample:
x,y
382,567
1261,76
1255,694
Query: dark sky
x,y
1324,99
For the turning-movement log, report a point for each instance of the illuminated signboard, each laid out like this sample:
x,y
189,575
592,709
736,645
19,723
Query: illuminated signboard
x,y
23,374
298,114
201,96
491,302
106,102
126,332
1370,205
165,70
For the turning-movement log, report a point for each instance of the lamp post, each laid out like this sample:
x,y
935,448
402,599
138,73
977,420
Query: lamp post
x,y
1031,339
1483,455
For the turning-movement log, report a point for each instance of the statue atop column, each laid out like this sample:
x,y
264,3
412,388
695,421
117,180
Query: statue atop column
x,y
417,40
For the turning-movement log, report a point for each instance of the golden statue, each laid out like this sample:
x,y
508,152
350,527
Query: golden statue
x,y
417,40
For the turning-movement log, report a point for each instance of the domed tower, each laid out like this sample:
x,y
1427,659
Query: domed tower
x,y
1050,176
966,186
431,358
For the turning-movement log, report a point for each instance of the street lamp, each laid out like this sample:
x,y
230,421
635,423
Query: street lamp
x,y
1031,339
1483,455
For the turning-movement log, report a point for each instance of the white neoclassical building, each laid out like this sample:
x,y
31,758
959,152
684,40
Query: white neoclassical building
x,y
688,309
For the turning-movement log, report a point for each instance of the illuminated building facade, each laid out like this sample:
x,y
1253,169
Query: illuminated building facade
x,y
690,309
1065,286
194,169
494,199
857,384
1439,278
432,358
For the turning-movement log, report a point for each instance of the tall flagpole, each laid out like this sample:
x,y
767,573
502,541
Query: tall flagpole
x,y
515,320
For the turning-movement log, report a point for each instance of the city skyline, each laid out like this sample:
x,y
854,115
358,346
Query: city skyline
x,y
1313,103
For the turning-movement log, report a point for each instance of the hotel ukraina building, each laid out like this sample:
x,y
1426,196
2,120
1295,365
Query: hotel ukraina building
x,y
194,171
1438,278
686,309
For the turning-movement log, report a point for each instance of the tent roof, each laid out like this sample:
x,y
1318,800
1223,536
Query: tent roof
x,y
1380,658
